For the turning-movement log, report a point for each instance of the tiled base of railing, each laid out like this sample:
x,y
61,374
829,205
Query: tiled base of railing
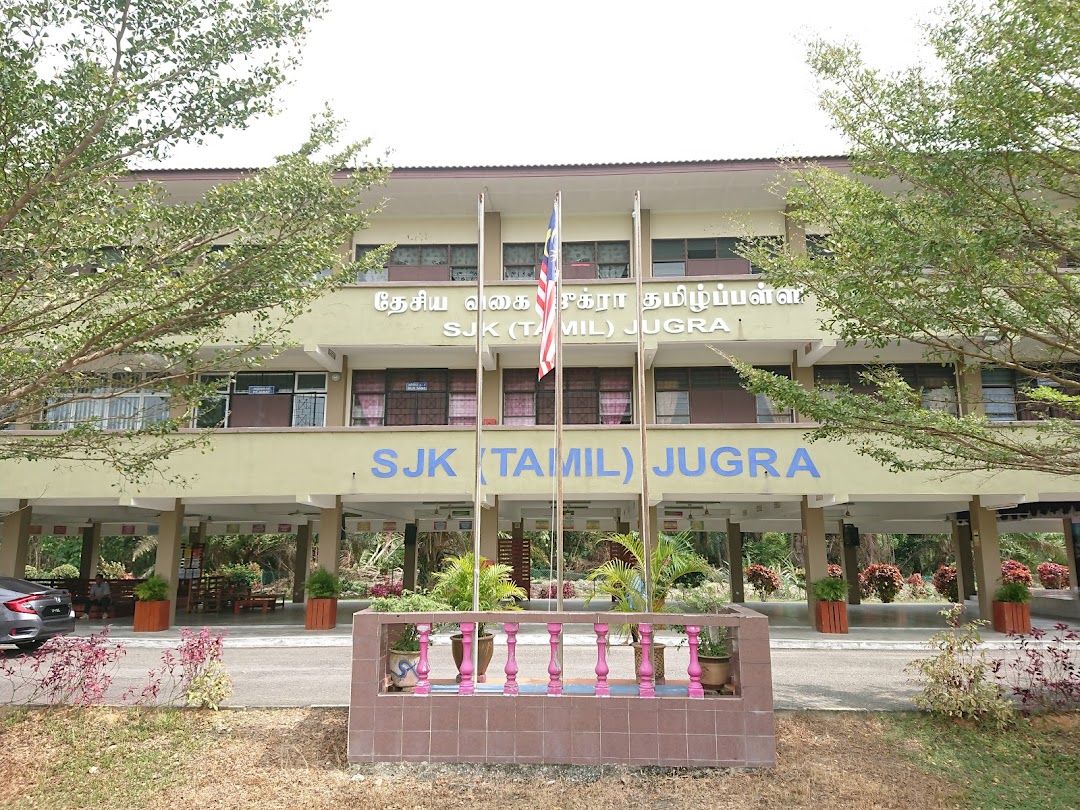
x,y
563,721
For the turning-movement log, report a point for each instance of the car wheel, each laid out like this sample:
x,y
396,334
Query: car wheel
x,y
30,646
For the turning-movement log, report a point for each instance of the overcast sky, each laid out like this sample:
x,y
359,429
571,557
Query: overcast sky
x,y
572,81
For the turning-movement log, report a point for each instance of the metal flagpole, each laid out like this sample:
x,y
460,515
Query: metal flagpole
x,y
558,403
477,495
646,523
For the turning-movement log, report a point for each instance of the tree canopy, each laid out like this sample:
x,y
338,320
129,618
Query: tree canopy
x,y
111,284
956,231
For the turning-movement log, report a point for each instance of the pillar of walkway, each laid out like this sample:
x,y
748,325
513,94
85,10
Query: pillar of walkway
x,y
489,532
170,539
300,562
984,536
328,554
735,554
965,561
817,561
91,551
408,576
849,539
15,541
1071,531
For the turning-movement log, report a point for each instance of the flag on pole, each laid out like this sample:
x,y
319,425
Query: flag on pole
x,y
547,293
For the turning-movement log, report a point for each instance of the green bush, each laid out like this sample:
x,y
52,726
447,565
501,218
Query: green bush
x,y
65,571
409,640
1016,592
241,575
829,589
321,584
154,589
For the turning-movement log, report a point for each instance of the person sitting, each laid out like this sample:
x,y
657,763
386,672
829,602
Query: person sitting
x,y
100,597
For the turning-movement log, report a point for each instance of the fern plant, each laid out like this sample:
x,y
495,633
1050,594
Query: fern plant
x,y
454,585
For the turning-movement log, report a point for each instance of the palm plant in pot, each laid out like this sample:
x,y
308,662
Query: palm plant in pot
x,y
671,559
405,648
714,653
454,586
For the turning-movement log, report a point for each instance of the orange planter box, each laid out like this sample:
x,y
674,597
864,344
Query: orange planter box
x,y
150,617
830,617
1012,617
320,614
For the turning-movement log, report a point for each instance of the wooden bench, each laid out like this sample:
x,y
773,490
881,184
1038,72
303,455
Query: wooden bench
x,y
260,600
122,592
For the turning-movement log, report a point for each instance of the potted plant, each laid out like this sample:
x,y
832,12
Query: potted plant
x,y
323,590
714,654
405,648
151,605
672,559
830,605
454,586
1012,611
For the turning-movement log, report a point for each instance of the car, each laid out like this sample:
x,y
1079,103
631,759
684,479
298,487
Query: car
x,y
31,613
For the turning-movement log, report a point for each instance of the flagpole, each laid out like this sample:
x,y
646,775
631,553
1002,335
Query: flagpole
x,y
646,523
558,404
477,498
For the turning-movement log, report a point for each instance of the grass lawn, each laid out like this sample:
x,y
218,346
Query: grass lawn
x,y
286,758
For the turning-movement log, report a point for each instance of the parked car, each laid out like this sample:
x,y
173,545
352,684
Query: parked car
x,y
31,613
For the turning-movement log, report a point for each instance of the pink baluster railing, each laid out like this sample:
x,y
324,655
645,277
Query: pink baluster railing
x,y
511,670
602,670
466,687
423,666
694,670
554,671
645,672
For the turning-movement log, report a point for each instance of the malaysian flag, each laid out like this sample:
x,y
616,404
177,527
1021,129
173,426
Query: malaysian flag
x,y
547,292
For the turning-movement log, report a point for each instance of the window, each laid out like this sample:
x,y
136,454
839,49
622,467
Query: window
x,y
402,397
266,399
591,396
424,263
1004,398
713,394
111,401
712,256
936,383
581,260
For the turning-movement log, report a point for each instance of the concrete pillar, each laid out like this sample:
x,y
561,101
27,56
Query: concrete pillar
x,y
491,407
339,396
170,538
300,562
970,396
735,555
493,258
1071,531
984,536
489,533
817,561
965,561
794,233
804,376
91,551
15,541
849,539
408,577
646,242
330,532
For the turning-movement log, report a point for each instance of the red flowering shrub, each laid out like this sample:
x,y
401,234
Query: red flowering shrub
x,y
1045,675
885,580
763,580
917,586
550,590
865,586
66,670
1052,575
835,571
1013,571
385,588
945,583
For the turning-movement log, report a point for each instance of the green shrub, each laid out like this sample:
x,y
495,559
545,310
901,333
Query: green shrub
x,y
321,584
210,688
154,589
65,571
829,589
409,640
241,575
1016,592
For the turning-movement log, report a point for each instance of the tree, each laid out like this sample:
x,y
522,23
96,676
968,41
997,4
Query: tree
x,y
956,230
109,284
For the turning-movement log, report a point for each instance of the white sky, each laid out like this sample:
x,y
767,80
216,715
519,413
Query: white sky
x,y
572,81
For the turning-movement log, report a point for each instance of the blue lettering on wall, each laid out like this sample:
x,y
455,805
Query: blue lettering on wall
x,y
801,462
384,458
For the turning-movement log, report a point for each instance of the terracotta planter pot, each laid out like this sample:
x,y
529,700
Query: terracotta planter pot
x,y
715,672
320,614
657,662
1012,617
830,617
485,648
150,617
402,665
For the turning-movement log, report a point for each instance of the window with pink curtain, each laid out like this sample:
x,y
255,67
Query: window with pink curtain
x,y
591,396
